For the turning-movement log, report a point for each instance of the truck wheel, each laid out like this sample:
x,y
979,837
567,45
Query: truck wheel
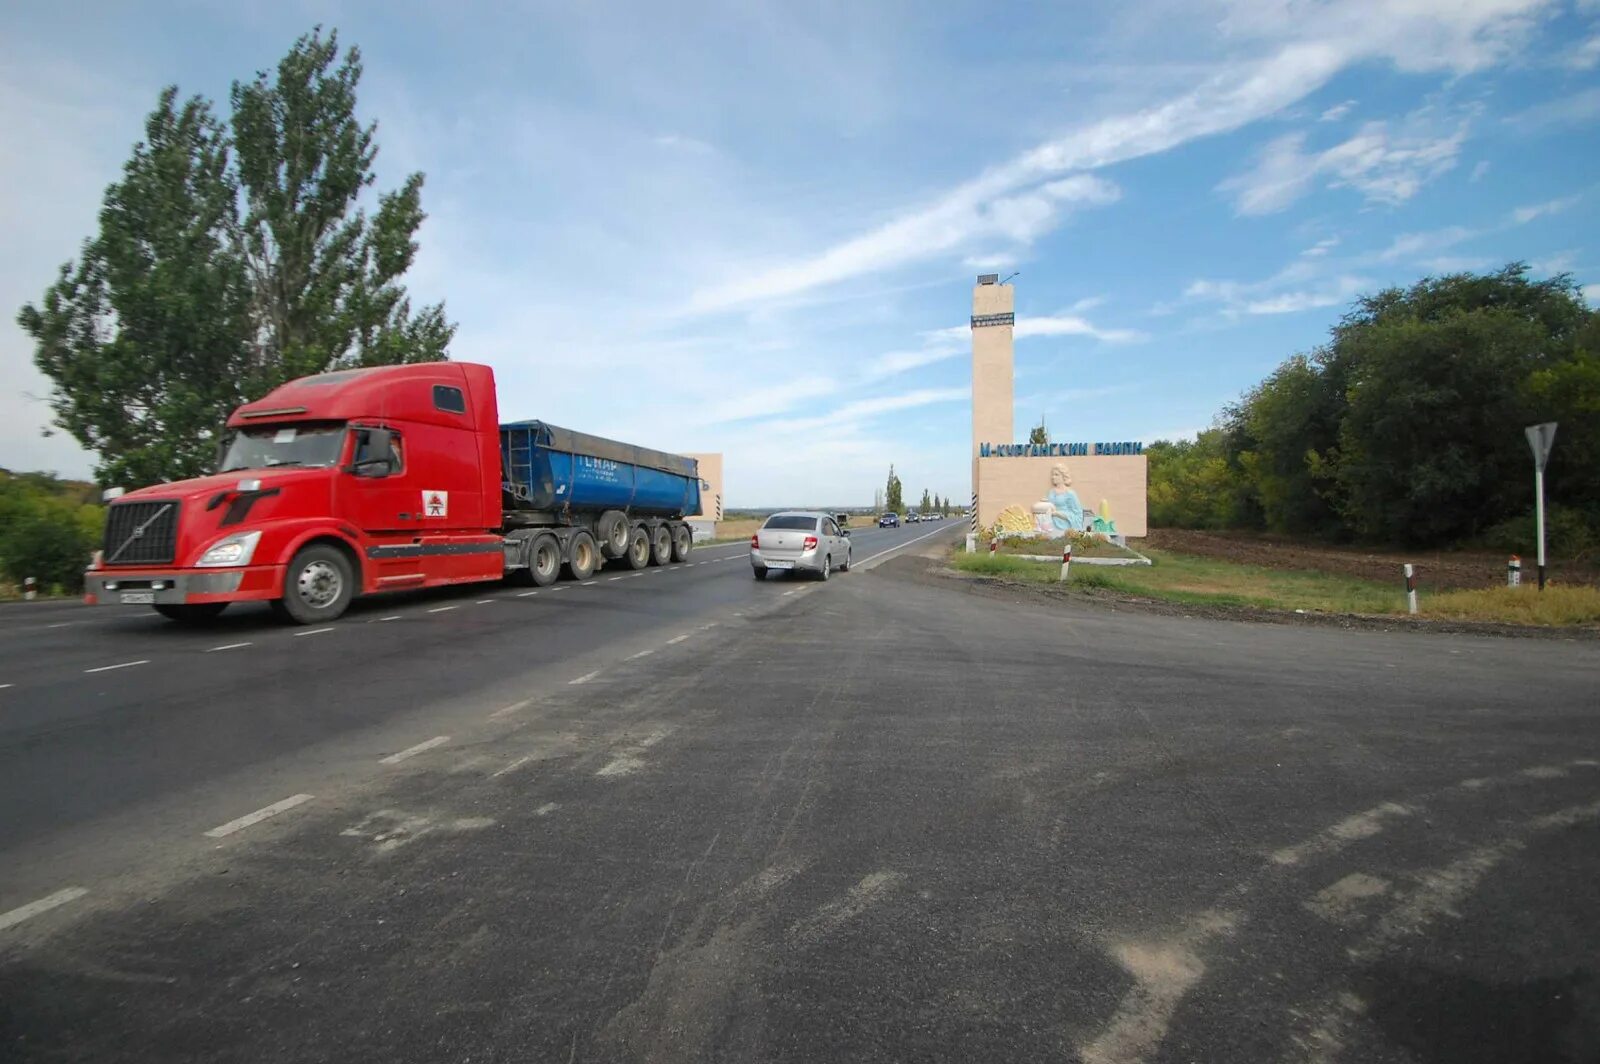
x,y
582,556
638,555
682,542
660,546
196,613
317,586
612,531
544,561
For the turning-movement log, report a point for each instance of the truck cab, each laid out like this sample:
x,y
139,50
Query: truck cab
x,y
335,485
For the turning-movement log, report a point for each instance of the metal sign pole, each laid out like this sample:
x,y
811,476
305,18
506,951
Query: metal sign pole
x,y
1540,439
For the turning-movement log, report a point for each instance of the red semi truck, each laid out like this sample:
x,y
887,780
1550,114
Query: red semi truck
x,y
362,481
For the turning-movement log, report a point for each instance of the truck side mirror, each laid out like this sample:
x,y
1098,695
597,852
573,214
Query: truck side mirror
x,y
374,454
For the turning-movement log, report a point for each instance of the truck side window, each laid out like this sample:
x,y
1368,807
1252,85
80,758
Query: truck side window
x,y
449,399
365,452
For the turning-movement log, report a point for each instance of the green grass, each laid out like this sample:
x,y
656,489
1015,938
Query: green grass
x,y
1212,582
1208,581
1083,547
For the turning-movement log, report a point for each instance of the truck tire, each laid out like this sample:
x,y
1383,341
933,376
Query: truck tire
x,y
612,532
544,561
682,542
583,556
660,545
191,613
317,586
638,555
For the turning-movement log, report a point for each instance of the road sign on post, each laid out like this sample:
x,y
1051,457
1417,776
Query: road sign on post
x,y
1540,439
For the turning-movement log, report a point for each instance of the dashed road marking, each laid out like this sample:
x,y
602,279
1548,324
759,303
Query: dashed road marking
x,y
63,624
413,751
527,594
123,665
677,639
707,627
615,578
786,594
482,602
518,763
264,813
506,711
641,654
43,905
314,631
558,589
585,678
3,686
391,617
229,646
441,609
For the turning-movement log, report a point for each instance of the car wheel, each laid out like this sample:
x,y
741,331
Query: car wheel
x,y
827,567
195,613
848,553
317,586
759,571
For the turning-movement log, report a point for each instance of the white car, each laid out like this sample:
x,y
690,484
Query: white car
x,y
800,541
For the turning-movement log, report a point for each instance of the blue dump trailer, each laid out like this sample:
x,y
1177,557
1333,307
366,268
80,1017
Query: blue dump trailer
x,y
560,488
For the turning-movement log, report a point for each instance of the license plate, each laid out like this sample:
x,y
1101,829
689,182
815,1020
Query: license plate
x,y
780,565
138,598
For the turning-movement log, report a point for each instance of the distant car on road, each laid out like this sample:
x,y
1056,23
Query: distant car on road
x,y
890,520
800,541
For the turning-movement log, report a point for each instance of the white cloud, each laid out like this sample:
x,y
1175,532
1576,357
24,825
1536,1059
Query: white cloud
x,y
1456,264
1591,294
1321,247
1413,245
680,142
1337,111
1586,56
1341,290
1524,215
1385,167
893,362
1000,260
1558,262
1072,325
1480,170
866,409
764,401
1579,109
1087,303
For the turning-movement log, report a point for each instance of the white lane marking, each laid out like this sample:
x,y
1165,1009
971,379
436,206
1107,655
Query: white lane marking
x,y
63,624
527,594
654,572
441,609
413,751
518,763
641,654
124,665
558,589
899,546
588,583
786,594
264,813
391,617
635,574
3,686
708,627
677,639
615,578
480,602
585,678
506,711
229,646
43,905
314,631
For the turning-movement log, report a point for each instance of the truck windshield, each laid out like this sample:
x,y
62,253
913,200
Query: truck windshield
x,y
262,446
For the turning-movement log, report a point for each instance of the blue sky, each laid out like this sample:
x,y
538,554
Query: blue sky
x,y
753,227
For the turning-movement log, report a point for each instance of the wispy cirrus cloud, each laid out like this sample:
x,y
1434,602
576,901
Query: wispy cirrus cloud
x,y
1524,215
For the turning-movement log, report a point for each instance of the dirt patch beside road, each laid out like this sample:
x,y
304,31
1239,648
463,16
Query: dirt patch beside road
x,y
1438,569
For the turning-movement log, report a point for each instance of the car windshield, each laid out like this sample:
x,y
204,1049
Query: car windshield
x,y
798,522
264,446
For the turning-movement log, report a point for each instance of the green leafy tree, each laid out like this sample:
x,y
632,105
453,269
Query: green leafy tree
x,y
1039,434
145,337
227,264
891,494
324,278
927,502
47,531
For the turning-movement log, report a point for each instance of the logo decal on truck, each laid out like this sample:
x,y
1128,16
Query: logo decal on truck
x,y
436,504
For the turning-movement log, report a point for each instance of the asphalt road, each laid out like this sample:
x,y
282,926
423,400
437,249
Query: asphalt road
x,y
890,817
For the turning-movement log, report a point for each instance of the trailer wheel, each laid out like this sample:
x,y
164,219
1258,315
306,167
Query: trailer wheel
x,y
317,586
195,613
583,556
612,531
544,561
682,541
638,555
660,545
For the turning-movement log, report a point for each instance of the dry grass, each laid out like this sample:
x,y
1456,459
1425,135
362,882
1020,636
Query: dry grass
x,y
738,528
1556,605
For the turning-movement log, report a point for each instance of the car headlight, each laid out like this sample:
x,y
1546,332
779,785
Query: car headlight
x,y
233,550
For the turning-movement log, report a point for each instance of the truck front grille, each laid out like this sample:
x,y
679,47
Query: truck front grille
x,y
142,532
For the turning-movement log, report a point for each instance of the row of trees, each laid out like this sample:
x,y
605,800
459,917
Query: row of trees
x,y
231,257
892,499
1407,426
48,527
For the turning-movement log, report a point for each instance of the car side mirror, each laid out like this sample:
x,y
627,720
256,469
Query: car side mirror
x,y
844,532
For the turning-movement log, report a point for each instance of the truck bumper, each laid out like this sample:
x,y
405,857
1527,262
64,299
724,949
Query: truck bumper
x,y
176,587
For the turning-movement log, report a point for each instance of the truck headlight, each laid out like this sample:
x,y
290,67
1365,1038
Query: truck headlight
x,y
232,550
